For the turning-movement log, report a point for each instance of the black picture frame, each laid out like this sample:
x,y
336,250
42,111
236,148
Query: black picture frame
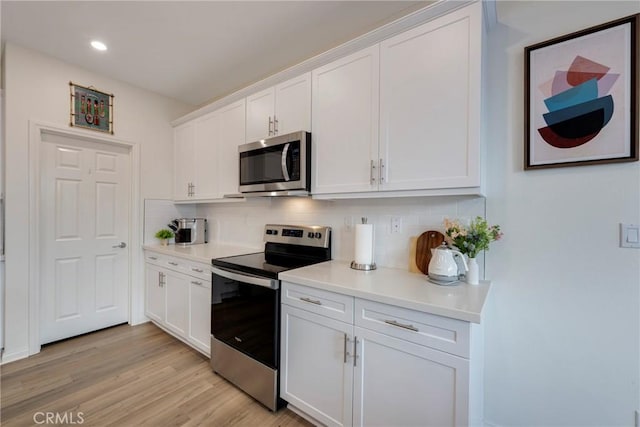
x,y
581,97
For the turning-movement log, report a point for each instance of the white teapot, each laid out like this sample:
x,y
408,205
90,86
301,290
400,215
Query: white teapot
x,y
443,268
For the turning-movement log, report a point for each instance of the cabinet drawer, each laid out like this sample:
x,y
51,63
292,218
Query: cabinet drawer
x,y
154,258
324,303
442,333
199,270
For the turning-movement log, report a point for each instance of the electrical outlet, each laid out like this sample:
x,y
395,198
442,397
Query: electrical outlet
x,y
396,224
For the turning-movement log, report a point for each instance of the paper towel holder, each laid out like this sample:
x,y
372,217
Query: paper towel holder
x,y
364,267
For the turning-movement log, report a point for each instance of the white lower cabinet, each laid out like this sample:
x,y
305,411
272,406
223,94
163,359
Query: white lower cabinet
x,y
200,314
177,289
155,294
398,383
316,375
178,298
373,368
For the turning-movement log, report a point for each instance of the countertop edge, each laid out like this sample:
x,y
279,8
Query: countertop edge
x,y
467,316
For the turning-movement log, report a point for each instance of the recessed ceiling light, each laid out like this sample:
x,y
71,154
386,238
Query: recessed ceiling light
x,y
98,45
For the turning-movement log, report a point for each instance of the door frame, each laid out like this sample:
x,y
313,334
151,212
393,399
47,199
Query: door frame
x,y
135,291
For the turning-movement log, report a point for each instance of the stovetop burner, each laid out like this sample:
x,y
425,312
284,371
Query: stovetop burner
x,y
287,247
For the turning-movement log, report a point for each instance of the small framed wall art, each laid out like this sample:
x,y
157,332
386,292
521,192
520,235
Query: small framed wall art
x,y
581,97
91,108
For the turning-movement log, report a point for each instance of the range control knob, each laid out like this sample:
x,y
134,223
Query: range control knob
x,y
310,234
318,235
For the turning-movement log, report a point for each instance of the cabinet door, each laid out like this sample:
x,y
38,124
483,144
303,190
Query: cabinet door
x,y
430,80
315,374
293,105
155,293
232,134
345,124
260,112
206,160
401,383
200,313
177,294
184,157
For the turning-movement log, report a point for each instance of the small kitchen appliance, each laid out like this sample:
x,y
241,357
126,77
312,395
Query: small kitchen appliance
x,y
277,166
443,268
245,307
189,231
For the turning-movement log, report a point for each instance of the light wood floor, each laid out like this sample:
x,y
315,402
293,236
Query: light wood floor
x,y
127,376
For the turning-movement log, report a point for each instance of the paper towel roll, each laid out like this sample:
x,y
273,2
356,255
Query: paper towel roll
x,y
364,244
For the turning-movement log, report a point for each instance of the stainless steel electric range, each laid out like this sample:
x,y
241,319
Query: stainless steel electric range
x,y
245,307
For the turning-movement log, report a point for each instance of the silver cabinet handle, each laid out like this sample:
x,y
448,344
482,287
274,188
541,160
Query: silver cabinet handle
x,y
155,258
193,189
270,123
346,353
193,282
373,175
381,171
275,125
312,301
197,270
161,280
175,264
122,245
401,325
355,351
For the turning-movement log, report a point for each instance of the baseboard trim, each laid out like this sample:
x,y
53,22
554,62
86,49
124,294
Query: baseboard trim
x,y
12,357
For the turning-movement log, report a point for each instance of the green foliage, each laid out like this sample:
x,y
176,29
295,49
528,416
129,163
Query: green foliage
x,y
474,238
164,234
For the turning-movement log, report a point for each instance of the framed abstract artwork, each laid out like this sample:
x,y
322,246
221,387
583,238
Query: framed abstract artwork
x,y
91,108
581,97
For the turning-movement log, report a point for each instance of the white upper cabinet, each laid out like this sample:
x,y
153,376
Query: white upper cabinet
x,y
345,124
184,139
430,82
232,131
280,109
205,184
403,115
206,154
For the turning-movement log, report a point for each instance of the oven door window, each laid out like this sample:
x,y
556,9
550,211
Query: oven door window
x,y
280,163
245,317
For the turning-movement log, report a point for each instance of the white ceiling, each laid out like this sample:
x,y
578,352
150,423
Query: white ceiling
x,y
193,51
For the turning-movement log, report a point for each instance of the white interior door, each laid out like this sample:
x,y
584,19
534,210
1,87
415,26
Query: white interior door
x,y
84,236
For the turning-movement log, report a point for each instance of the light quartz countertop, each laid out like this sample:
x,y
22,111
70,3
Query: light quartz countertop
x,y
395,286
204,252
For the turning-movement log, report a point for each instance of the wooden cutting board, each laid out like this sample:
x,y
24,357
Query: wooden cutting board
x,y
428,240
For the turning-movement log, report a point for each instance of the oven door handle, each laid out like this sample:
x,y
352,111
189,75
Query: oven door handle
x,y
245,278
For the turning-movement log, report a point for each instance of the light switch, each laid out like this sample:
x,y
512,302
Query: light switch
x,y
629,236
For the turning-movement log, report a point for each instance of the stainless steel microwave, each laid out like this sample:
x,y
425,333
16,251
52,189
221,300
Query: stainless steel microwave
x,y
276,166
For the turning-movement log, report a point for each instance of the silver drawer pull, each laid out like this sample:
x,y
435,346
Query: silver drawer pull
x,y
312,301
173,263
401,325
193,282
197,270
155,258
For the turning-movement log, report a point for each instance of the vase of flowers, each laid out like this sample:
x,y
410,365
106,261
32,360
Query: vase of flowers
x,y
164,235
470,240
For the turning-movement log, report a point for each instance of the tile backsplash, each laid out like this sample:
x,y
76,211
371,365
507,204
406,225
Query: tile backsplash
x,y
243,222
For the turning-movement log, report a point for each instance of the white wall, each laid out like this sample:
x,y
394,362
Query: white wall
x,y
562,325
243,223
37,88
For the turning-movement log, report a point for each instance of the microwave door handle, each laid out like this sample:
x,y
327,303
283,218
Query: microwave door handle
x,y
283,162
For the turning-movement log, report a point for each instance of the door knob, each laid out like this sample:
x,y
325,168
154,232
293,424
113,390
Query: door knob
x,y
121,245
